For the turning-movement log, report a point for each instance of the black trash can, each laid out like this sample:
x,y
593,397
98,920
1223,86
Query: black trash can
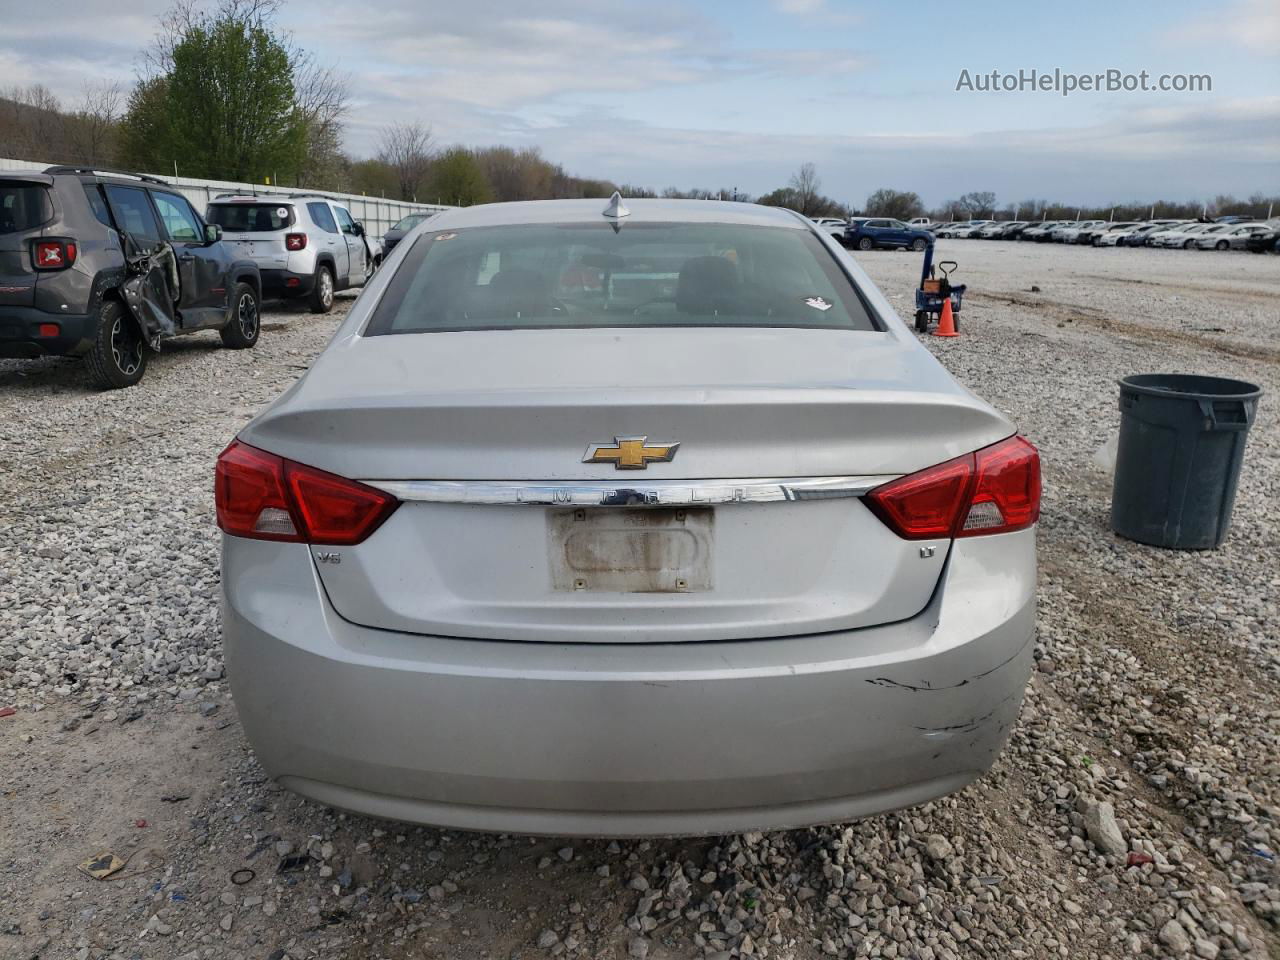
x,y
1181,446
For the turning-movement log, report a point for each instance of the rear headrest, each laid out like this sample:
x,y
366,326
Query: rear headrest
x,y
707,285
516,291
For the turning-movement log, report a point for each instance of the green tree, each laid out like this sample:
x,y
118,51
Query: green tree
x,y
231,97
226,109
782,197
146,135
456,177
373,177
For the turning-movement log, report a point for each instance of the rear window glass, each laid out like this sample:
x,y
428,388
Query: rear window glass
x,y
644,275
93,194
23,206
408,223
251,217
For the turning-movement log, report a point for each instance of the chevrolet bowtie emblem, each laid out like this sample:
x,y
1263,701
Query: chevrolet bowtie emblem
x,y
630,453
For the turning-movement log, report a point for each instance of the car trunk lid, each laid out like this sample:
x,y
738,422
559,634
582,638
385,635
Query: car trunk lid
x,y
752,528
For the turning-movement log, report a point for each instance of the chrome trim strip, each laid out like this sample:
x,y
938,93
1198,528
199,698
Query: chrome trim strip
x,y
606,494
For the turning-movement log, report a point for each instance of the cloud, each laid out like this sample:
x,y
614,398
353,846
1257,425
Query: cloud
x,y
98,44
493,55
1148,153
814,62
663,92
479,72
799,6
1252,25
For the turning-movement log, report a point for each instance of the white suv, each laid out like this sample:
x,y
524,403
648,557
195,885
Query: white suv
x,y
304,246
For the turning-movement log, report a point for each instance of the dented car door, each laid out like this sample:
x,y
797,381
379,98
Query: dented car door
x,y
150,290
202,266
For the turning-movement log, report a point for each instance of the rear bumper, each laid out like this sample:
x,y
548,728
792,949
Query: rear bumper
x,y
628,739
286,283
20,336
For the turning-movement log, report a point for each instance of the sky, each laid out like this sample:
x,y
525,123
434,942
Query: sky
x,y
714,93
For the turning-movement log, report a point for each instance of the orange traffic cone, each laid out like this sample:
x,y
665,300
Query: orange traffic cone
x,y
946,322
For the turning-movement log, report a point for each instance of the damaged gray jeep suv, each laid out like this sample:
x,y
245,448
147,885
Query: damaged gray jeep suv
x,y
105,265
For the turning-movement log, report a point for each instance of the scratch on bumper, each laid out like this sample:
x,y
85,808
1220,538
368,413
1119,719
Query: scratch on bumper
x,y
926,686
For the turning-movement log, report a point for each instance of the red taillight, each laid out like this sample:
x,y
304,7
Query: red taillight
x,y
53,254
49,330
295,241
1006,493
994,490
923,506
265,497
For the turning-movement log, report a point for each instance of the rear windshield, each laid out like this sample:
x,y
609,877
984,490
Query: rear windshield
x,y
643,275
251,217
23,206
409,222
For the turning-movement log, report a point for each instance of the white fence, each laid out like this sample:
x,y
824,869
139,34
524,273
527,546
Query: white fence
x,y
376,213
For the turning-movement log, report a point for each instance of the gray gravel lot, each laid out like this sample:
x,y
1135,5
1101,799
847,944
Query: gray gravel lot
x,y
1133,813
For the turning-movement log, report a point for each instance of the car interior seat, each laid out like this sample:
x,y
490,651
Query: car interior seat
x,y
708,285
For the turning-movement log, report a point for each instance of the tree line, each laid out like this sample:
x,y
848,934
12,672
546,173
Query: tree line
x,y
223,94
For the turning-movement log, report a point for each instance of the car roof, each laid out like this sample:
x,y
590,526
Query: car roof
x,y
98,174
247,198
641,211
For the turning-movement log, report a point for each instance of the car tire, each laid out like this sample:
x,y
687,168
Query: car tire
x,y
322,290
118,356
918,245
242,330
1222,245
922,321
866,243
1187,244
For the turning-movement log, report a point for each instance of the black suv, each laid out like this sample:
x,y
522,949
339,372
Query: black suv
x,y
105,265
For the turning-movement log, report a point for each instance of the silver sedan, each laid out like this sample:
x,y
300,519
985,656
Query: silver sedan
x,y
646,518
1231,237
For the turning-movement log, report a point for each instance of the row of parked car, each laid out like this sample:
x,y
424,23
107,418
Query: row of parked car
x,y
1226,233
105,265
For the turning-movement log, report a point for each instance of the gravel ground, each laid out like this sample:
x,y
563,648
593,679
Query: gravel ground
x,y
1133,813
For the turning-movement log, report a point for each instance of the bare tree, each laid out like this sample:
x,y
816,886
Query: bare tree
x,y
406,148
32,125
899,204
516,174
321,95
978,203
93,129
807,189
